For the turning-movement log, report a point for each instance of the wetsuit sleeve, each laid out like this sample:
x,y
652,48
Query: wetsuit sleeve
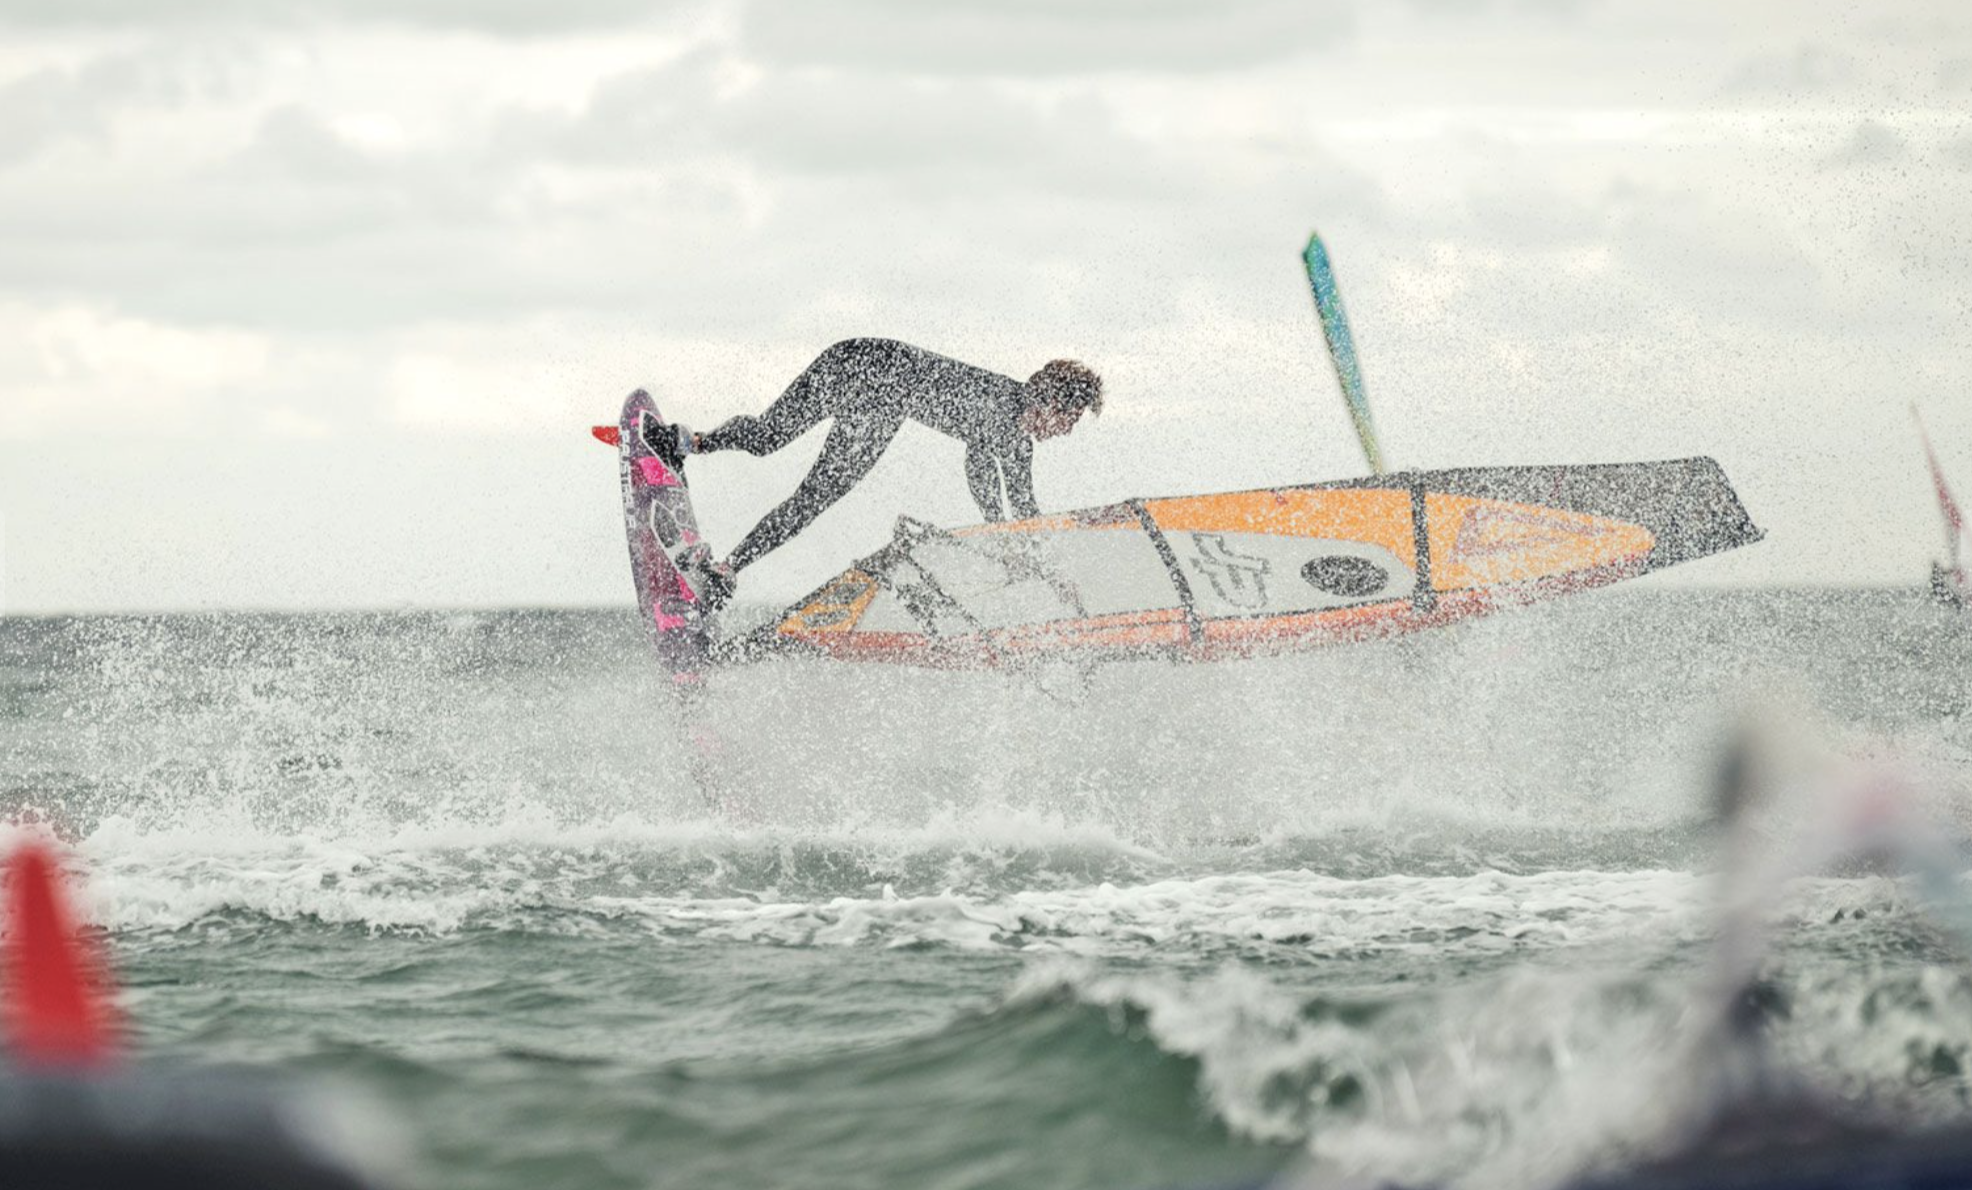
x,y
1018,467
982,475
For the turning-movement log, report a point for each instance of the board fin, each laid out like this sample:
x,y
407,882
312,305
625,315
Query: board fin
x,y
607,435
56,1014
1341,347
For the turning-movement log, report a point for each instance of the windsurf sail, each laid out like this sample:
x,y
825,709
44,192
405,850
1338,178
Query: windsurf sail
x,y
1341,347
1948,582
1261,571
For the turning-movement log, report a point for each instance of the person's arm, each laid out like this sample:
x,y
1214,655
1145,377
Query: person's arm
x,y
1017,465
982,475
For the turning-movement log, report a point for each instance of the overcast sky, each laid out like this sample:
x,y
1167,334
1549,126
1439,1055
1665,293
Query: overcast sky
x,y
310,304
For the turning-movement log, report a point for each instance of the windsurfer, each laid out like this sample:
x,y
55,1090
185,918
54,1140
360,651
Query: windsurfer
x,y
870,387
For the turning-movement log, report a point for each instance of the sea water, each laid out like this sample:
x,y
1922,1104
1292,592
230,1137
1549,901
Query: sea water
x,y
1434,910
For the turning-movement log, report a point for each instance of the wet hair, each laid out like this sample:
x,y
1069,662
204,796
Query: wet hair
x,y
1066,384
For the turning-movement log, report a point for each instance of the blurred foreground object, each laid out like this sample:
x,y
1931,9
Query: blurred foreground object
x,y
74,1114
57,1014
1789,810
1787,807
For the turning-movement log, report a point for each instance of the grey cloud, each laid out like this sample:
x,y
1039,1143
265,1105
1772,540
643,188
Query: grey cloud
x,y
1666,250
1554,10
1044,37
1872,143
296,227
641,117
292,144
510,18
924,138
1728,263
299,230
1959,151
944,138
58,105
856,125
695,198
972,132
1808,70
45,108
687,215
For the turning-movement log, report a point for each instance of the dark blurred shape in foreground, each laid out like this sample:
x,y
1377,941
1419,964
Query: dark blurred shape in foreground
x,y
75,1114
1787,809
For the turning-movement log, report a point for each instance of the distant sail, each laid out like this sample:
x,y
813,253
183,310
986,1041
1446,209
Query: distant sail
x,y
1948,582
1954,519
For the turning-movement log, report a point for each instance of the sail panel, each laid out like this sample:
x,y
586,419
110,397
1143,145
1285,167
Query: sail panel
x,y
1262,570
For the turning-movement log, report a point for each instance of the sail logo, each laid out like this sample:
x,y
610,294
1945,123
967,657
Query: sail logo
x,y
1239,579
1490,531
835,606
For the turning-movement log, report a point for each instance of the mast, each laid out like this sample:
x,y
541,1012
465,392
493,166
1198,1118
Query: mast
x,y
1341,347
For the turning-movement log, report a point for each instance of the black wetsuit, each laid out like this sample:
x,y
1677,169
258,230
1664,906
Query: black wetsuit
x,y
869,386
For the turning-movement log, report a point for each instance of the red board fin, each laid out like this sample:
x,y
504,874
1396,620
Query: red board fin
x,y
56,1014
607,434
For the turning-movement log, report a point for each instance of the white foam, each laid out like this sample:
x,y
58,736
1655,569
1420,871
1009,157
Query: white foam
x,y
1500,1077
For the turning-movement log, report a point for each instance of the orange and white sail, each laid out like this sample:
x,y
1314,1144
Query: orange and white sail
x,y
1261,571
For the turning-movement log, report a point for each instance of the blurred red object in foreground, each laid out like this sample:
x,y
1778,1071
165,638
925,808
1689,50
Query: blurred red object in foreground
x,y
57,1014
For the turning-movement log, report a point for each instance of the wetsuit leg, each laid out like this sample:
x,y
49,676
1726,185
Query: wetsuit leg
x,y
842,373
853,446
791,415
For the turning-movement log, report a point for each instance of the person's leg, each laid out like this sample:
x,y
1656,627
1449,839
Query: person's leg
x,y
852,448
817,393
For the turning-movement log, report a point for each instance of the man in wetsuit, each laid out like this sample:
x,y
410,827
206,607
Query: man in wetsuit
x,y
870,386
